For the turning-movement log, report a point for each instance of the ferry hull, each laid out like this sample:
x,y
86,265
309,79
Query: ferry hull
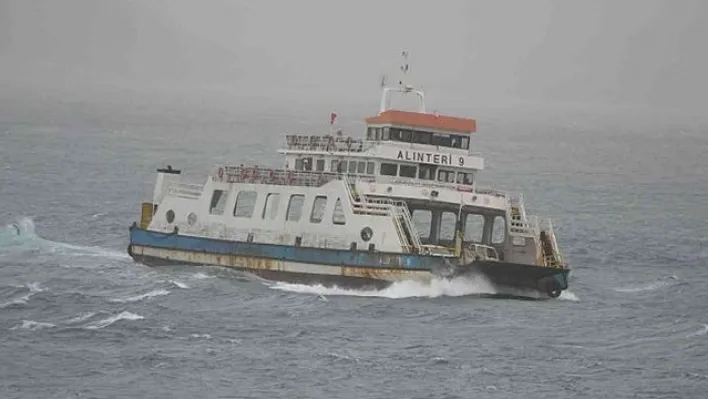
x,y
331,267
546,280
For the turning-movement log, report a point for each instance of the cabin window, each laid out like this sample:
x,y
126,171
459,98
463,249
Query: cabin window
x,y
446,176
307,164
456,141
333,166
448,222
320,165
370,168
406,136
466,143
245,202
389,169
421,219
338,213
386,134
378,133
407,171
298,164
426,172
395,134
295,207
271,206
465,178
474,226
318,209
370,133
498,230
352,167
361,167
218,203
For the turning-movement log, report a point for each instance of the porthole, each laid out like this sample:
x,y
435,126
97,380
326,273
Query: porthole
x,y
170,216
192,218
366,233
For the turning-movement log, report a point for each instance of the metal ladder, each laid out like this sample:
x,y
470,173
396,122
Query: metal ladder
x,y
402,221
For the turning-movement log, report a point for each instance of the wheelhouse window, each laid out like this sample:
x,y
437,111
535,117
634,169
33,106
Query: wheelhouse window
x,y
245,203
386,134
389,169
352,167
303,164
333,166
422,137
407,171
370,166
320,165
218,203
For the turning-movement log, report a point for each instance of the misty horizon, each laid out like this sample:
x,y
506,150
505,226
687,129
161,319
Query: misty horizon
x,y
602,53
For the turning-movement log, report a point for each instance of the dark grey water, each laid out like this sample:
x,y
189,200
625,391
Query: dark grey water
x,y
79,319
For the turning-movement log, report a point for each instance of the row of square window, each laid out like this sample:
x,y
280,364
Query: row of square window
x,y
424,172
245,204
417,136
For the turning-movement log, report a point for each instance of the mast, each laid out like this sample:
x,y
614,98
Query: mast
x,y
403,87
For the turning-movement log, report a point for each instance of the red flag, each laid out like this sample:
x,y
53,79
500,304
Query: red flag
x,y
332,117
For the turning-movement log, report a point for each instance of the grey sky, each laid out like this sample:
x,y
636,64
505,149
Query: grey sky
x,y
640,52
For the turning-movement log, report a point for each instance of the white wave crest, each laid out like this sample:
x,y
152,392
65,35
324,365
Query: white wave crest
x,y
82,317
402,289
568,296
107,322
33,325
179,284
665,282
140,297
23,233
34,288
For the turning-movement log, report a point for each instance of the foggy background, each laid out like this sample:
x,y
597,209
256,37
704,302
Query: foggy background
x,y
467,55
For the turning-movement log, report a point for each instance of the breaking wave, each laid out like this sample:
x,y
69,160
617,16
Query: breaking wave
x,y
403,289
32,289
22,234
125,315
655,285
140,297
33,325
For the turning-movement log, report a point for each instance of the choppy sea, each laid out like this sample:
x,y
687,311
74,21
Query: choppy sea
x,y
627,190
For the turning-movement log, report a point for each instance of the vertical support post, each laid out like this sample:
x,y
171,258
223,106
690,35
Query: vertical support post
x,y
487,230
435,217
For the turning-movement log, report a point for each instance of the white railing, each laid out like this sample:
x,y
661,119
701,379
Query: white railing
x,y
185,190
556,250
327,143
260,175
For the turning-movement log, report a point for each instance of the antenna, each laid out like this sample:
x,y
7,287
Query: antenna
x,y
403,86
405,68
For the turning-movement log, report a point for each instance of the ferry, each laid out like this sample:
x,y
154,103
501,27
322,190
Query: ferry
x,y
399,202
